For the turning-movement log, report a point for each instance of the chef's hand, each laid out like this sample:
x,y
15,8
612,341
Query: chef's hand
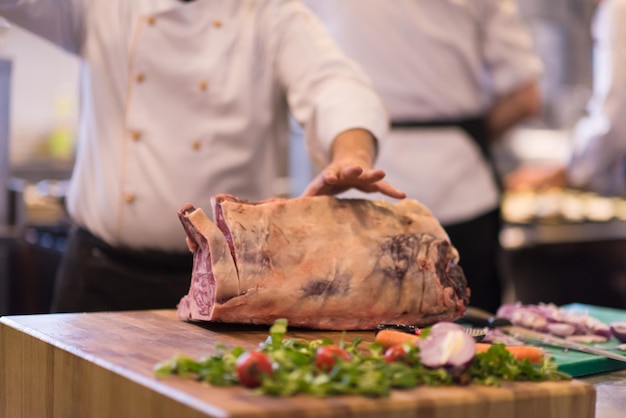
x,y
353,153
535,178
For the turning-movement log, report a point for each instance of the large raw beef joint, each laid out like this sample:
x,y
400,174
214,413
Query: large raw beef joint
x,y
321,262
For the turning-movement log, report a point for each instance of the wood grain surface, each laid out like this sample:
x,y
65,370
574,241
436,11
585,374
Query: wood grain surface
x,y
100,365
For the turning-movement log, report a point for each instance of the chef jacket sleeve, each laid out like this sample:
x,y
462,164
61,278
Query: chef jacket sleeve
x,y
59,21
327,93
507,46
599,147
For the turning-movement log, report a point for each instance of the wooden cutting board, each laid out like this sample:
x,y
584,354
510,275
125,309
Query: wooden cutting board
x,y
100,365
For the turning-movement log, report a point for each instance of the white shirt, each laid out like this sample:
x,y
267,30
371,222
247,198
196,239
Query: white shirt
x,y
599,147
181,101
431,60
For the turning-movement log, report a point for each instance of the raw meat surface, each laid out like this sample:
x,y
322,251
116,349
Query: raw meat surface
x,y
321,262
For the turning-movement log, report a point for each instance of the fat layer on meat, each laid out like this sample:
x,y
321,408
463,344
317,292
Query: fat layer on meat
x,y
321,262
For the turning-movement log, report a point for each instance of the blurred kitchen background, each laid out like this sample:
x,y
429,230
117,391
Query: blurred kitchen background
x,y
560,246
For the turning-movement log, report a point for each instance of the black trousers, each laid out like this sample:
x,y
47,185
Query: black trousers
x,y
93,276
477,241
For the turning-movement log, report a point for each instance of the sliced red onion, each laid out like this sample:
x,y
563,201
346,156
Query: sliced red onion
x,y
584,323
447,345
445,327
506,310
561,330
550,311
587,324
618,329
524,316
542,316
597,327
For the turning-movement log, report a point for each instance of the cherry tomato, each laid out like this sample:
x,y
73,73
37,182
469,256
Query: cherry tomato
x,y
251,367
326,356
395,353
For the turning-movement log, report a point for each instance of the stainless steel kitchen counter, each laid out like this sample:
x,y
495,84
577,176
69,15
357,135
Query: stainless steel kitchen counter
x,y
516,236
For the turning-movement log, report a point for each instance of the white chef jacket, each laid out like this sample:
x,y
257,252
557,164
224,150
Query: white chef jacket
x,y
599,141
432,60
181,101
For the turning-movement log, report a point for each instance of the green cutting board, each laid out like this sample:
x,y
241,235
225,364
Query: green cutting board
x,y
577,363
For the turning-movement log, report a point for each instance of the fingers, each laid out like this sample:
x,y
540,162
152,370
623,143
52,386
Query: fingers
x,y
370,176
345,175
351,174
387,189
535,178
315,187
332,181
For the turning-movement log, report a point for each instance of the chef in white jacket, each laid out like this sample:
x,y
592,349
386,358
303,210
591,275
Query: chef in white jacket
x,y
182,100
597,159
455,75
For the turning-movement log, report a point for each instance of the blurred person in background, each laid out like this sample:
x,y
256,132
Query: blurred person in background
x,y
455,76
182,100
596,162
